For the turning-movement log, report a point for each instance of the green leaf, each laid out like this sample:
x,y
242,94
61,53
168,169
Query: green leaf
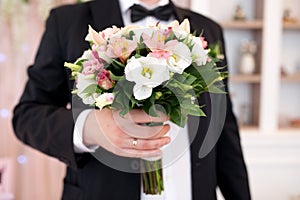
x,y
170,37
121,102
114,61
152,124
72,66
124,112
79,62
216,90
91,89
178,117
168,108
127,88
114,77
195,110
189,78
149,106
131,34
182,87
215,50
116,67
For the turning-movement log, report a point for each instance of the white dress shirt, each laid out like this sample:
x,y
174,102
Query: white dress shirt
x,y
176,174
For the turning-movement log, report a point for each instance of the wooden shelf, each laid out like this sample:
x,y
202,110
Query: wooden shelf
x,y
255,78
289,129
254,24
249,128
291,78
291,26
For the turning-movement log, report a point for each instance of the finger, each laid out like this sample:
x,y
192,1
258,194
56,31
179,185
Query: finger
x,y
134,153
146,132
140,116
165,129
138,131
142,144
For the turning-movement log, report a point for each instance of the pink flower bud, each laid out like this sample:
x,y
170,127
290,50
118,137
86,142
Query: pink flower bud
x,y
109,97
204,42
167,32
104,80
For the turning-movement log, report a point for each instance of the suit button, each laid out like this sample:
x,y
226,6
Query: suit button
x,y
197,164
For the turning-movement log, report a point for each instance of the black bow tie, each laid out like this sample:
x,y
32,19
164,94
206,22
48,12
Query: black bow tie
x,y
162,12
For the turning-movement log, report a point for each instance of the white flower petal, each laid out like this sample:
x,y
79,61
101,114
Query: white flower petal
x,y
180,59
174,24
87,55
132,68
138,32
87,100
185,26
134,71
141,92
82,83
105,57
147,73
94,37
104,100
199,54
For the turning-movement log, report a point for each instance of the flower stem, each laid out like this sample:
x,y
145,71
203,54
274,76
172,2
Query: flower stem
x,y
152,178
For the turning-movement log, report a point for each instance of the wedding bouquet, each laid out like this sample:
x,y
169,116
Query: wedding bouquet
x,y
145,66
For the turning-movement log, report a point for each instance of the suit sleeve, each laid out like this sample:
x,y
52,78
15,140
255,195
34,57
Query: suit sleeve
x,y
231,168
41,118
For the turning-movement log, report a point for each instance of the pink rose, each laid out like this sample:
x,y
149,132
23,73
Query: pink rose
x,y
91,66
103,79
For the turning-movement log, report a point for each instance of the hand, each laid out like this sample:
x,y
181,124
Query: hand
x,y
123,136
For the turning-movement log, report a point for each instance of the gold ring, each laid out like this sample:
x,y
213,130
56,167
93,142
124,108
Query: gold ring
x,y
134,142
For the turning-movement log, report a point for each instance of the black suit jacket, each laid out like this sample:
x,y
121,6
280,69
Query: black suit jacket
x,y
42,121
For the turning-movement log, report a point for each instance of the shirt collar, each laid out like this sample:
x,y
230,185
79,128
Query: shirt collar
x,y
126,4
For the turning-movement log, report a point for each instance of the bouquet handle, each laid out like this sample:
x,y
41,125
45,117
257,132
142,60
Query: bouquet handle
x,y
152,176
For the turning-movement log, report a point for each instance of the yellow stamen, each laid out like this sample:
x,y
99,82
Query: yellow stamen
x,y
147,72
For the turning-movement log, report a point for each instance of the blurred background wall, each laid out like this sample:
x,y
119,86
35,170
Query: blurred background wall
x,y
265,92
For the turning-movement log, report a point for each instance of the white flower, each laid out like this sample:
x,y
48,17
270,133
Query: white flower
x,y
83,82
185,26
95,37
199,54
140,31
103,55
125,30
87,55
180,58
173,24
147,73
180,30
110,32
104,100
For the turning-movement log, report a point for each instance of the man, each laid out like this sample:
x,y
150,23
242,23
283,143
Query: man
x,y
42,120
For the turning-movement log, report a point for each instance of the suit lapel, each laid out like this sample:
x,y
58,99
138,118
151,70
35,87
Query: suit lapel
x,y
179,15
106,14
